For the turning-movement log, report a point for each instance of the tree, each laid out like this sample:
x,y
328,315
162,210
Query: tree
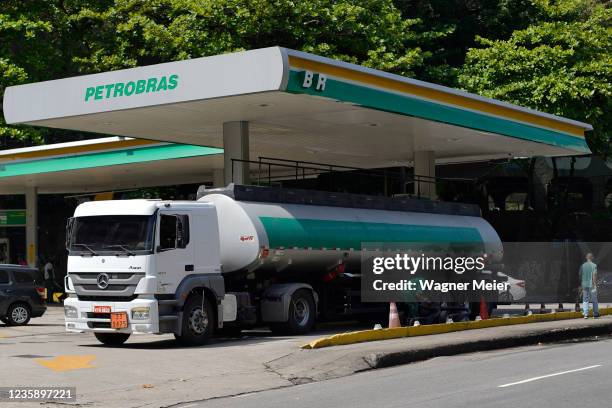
x,y
462,21
562,65
49,39
369,32
38,40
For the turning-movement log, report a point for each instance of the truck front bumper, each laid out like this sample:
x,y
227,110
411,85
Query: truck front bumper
x,y
88,321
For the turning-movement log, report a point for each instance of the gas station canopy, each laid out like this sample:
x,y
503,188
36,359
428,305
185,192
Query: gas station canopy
x,y
298,106
272,102
112,163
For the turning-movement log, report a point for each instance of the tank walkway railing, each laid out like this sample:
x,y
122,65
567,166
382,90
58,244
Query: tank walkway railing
x,y
270,171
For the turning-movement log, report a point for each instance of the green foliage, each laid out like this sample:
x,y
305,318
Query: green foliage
x,y
38,42
462,21
49,39
135,32
562,65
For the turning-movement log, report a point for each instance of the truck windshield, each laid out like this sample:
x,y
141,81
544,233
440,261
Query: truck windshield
x,y
126,234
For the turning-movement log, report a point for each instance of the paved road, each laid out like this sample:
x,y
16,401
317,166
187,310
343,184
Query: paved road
x,y
151,371
148,371
555,376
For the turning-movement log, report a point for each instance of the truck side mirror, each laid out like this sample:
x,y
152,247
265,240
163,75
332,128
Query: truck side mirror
x,y
182,231
69,224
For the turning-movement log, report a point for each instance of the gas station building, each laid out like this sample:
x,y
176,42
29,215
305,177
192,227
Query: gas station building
x,y
207,120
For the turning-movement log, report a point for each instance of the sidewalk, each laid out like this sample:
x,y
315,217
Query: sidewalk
x,y
305,365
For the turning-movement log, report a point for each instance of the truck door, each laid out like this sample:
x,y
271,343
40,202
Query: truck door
x,y
174,249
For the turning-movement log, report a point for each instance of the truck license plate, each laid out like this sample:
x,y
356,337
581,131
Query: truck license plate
x,y
119,320
102,309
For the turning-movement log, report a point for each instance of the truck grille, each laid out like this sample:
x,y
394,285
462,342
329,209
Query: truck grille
x,y
107,298
99,325
110,288
121,285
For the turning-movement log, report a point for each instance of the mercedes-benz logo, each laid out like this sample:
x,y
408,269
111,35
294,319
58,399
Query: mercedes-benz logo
x,y
103,281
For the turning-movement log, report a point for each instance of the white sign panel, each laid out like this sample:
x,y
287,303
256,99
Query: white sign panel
x,y
196,79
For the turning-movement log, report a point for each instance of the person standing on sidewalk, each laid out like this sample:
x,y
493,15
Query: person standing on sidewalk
x,y
588,279
49,275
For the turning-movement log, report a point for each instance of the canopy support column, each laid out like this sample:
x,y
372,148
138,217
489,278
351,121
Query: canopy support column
x,y
425,173
236,146
31,225
218,178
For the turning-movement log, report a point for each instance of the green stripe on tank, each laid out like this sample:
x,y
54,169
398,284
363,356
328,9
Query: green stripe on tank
x,y
296,232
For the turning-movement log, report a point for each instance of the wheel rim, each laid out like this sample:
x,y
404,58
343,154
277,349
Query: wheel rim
x,y
301,312
198,321
19,314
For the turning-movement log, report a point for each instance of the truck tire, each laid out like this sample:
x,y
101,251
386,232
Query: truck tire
x,y
112,339
198,324
302,314
18,314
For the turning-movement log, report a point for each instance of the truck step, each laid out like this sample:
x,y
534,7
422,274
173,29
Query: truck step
x,y
168,302
168,318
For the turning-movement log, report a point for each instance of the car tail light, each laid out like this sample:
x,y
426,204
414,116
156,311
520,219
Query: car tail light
x,y
520,284
42,292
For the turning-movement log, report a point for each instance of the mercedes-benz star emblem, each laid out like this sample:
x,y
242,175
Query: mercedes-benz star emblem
x,y
103,281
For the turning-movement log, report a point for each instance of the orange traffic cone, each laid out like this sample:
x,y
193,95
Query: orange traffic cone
x,y
484,309
394,320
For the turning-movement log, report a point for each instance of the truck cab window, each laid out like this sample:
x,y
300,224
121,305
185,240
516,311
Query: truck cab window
x,y
167,231
173,231
106,234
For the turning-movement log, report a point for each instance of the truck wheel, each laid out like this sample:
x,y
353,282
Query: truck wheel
x,y
18,314
302,313
112,339
198,323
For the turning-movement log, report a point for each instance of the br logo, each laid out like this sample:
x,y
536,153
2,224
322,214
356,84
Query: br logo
x,y
311,78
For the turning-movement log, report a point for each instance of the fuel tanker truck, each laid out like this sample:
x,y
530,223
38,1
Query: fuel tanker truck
x,y
237,257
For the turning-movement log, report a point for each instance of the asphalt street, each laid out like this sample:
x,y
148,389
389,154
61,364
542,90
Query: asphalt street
x,y
558,376
152,371
148,371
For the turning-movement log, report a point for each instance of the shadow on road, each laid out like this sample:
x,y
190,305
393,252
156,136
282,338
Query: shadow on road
x,y
247,337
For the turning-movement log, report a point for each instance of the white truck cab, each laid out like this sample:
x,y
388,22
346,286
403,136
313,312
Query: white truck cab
x,y
127,259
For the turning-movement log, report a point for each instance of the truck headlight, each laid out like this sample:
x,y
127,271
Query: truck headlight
x,y
140,313
71,312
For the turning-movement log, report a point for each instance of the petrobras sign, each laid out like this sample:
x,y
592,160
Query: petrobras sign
x,y
197,79
121,89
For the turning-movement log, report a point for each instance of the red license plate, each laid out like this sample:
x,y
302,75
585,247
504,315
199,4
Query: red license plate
x,y
102,309
119,320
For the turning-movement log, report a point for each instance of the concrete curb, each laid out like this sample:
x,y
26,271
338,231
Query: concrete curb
x,y
382,360
302,366
426,330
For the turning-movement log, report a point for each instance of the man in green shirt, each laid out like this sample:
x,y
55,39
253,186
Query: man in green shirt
x,y
588,279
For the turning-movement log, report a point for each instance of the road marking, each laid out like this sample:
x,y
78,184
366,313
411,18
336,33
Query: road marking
x,y
67,363
548,375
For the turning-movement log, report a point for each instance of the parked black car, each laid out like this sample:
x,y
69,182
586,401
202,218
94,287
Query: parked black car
x,y
21,294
